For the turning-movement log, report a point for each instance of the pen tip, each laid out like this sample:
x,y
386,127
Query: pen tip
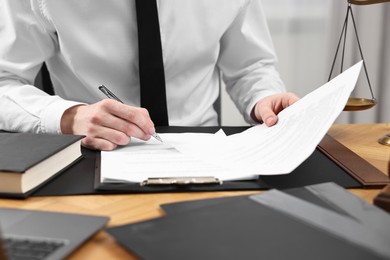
x,y
157,137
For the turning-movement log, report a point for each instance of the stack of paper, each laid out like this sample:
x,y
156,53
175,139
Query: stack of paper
x,y
260,150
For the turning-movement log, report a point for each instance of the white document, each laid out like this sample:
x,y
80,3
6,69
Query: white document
x,y
141,160
260,150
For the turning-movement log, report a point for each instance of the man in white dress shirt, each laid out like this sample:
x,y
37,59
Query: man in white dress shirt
x,y
86,43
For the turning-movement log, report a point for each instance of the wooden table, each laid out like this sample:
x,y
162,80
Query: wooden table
x,y
122,209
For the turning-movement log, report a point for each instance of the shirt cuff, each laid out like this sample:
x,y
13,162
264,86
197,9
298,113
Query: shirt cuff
x,y
51,119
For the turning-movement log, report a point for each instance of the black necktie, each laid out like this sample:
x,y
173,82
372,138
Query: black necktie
x,y
151,67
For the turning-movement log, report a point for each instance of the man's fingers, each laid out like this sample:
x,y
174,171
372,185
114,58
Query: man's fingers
x,y
290,98
113,122
268,115
271,120
266,109
98,144
134,115
107,124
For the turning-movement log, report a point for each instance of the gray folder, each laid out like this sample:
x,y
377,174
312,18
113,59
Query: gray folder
x,y
270,225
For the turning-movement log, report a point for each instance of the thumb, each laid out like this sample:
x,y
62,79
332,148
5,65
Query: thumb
x,y
263,112
268,116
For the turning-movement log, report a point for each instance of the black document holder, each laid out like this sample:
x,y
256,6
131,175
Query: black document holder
x,y
235,228
81,178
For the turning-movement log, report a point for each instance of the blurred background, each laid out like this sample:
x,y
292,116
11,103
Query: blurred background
x,y
305,35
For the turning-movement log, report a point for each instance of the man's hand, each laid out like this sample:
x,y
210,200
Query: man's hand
x,y
107,124
266,109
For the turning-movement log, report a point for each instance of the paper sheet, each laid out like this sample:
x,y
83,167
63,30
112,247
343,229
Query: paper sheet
x,y
260,150
152,159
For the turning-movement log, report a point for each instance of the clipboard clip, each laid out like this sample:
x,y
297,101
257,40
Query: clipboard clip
x,y
181,181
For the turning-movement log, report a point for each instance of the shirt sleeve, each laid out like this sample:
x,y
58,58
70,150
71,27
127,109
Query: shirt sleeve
x,y
25,43
247,59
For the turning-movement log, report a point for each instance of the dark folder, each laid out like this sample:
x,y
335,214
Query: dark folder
x,y
302,193
245,228
326,195
322,166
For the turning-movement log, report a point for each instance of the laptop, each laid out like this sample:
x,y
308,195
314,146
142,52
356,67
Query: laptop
x,y
32,234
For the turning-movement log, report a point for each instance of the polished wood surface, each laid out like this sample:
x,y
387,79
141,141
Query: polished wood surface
x,y
363,140
122,209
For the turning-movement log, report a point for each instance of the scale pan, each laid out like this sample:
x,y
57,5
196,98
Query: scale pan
x,y
385,140
357,104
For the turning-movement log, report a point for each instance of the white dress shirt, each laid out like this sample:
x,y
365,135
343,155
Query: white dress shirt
x,y
86,43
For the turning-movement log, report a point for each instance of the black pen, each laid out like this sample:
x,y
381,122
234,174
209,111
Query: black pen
x,y
111,95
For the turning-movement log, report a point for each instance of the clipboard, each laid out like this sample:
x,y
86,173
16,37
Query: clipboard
x,y
330,162
326,164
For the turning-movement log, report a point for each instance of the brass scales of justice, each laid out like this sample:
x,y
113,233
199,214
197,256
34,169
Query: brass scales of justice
x,y
357,104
